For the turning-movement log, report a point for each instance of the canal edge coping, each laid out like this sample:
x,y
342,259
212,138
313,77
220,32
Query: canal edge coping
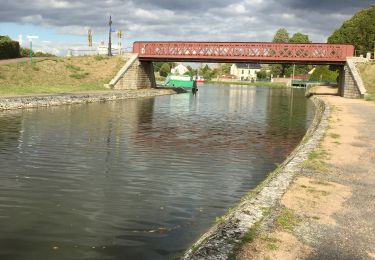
x,y
221,239
47,100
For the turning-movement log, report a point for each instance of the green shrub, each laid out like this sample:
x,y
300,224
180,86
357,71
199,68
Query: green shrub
x,y
72,67
99,57
9,49
323,73
78,75
25,52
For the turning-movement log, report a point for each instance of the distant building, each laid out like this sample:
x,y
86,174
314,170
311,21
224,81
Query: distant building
x,y
244,71
179,70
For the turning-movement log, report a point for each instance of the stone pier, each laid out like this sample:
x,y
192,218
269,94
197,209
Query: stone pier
x,y
135,74
350,81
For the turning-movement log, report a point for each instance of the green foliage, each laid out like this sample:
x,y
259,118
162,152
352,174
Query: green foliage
x,y
25,52
224,68
8,49
43,54
72,67
287,219
263,75
77,75
99,57
323,73
276,70
359,31
206,72
299,38
281,35
165,69
158,65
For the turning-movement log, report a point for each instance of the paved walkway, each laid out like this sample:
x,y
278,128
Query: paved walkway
x,y
329,210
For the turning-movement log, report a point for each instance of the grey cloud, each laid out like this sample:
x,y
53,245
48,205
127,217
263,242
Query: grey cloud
x,y
328,6
237,20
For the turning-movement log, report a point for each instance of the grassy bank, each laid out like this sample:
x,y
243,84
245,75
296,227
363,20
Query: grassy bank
x,y
58,75
368,76
248,83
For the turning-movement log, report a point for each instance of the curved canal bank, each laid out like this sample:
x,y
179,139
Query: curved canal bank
x,y
328,210
223,238
46,100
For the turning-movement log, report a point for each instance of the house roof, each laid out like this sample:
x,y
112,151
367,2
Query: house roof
x,y
248,66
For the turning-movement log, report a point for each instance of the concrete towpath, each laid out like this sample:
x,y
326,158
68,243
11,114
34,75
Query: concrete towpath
x,y
329,210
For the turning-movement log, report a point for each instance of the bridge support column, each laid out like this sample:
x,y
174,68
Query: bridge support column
x,y
350,81
135,74
348,85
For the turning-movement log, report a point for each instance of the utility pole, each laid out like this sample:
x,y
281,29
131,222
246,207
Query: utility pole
x,y
109,41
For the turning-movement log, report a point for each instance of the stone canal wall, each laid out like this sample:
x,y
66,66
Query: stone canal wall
x,y
220,241
350,80
135,74
17,102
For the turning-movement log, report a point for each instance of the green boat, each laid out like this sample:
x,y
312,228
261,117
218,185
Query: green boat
x,y
180,82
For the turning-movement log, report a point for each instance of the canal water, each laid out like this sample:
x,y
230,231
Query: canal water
x,y
140,178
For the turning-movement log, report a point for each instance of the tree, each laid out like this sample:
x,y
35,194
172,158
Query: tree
x,y
165,69
359,31
300,38
323,73
224,68
263,74
8,48
281,35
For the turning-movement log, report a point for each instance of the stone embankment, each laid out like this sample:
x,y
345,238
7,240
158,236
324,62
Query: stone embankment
x,y
222,239
16,102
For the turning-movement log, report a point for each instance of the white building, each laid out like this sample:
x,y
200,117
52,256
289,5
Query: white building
x,y
244,71
179,70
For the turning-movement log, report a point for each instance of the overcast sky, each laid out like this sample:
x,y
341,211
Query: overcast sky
x,y
64,23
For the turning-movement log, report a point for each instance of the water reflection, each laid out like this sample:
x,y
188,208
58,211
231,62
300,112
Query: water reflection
x,y
137,179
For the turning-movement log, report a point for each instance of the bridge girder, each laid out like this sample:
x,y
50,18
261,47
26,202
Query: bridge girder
x,y
247,52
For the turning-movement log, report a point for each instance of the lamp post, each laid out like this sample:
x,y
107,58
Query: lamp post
x,y
31,37
109,41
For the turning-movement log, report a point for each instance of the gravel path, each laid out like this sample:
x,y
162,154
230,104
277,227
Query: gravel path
x,y
353,165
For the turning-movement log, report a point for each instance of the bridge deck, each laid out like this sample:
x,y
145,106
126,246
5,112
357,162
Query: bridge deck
x,y
312,53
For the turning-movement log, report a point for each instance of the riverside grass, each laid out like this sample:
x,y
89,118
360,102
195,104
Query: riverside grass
x,y
367,71
58,75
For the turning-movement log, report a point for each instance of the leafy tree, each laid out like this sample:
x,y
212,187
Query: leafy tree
x,y
158,64
300,38
323,73
165,69
223,69
359,31
281,35
8,48
263,74
277,70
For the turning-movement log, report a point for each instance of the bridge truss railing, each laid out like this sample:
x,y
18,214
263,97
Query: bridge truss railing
x,y
244,52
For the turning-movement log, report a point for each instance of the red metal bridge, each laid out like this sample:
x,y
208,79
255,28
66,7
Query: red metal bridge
x,y
261,52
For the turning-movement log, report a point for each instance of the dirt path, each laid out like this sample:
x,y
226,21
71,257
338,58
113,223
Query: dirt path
x,y
329,210
10,61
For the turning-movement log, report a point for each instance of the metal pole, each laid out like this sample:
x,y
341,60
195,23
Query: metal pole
x,y
109,41
31,51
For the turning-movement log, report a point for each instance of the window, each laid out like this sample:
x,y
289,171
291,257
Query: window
x,y
243,72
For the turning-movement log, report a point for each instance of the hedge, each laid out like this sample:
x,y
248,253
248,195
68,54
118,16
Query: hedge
x,y
8,48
